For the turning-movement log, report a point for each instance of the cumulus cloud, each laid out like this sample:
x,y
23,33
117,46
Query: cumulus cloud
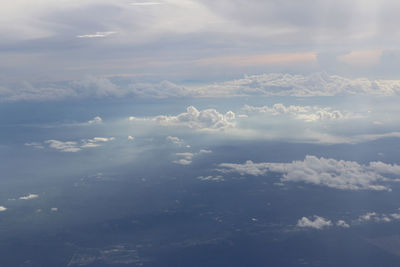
x,y
318,222
306,113
204,119
2,208
96,120
375,217
339,174
30,196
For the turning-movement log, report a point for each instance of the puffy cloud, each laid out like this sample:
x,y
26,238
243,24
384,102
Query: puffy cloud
x,y
2,208
339,174
374,217
204,119
342,223
30,196
186,158
174,140
306,113
96,120
318,222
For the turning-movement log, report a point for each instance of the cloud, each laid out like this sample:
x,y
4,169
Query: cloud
x,y
96,120
339,174
2,208
186,158
96,35
74,146
145,4
174,140
374,217
205,119
342,223
306,113
67,146
318,223
270,84
130,137
217,178
35,145
317,84
30,196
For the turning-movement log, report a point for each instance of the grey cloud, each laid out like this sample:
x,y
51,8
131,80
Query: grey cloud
x,y
272,84
339,174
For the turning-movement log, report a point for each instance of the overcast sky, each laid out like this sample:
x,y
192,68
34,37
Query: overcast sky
x,y
184,40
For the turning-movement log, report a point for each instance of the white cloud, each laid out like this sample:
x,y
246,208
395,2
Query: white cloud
x,y
342,223
186,158
96,35
130,137
205,119
317,223
339,174
67,146
217,178
74,146
174,140
374,217
96,120
2,208
306,113
30,196
35,145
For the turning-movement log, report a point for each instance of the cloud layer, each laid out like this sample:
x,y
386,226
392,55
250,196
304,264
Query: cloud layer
x,y
272,84
339,174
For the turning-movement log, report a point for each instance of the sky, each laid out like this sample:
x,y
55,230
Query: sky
x,y
278,119
196,41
